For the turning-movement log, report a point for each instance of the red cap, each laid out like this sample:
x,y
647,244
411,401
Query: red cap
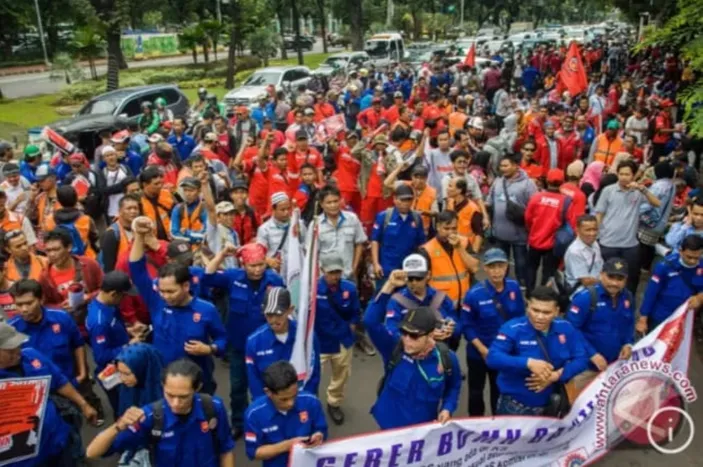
x,y
120,136
167,124
376,100
77,157
555,176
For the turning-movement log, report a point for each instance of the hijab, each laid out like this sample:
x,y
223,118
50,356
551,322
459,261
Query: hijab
x,y
144,361
593,174
575,169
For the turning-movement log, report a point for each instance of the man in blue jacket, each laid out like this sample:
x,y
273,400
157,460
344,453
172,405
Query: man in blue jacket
x,y
674,280
416,293
246,287
183,326
106,330
533,353
336,317
274,341
422,378
397,232
605,315
487,306
296,415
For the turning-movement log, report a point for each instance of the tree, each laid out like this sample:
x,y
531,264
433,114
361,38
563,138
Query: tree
x,y
65,67
213,31
190,38
320,4
296,30
682,32
89,44
233,37
264,43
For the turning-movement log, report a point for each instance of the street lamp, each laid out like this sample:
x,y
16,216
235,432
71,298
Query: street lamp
x,y
41,33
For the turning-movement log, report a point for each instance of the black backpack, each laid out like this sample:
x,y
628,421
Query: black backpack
x,y
158,427
397,355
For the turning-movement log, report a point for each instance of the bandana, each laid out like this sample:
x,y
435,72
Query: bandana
x,y
251,253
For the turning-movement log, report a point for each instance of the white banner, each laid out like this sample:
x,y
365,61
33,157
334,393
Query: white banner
x,y
623,403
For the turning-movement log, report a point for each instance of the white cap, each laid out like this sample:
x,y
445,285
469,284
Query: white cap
x,y
415,265
476,122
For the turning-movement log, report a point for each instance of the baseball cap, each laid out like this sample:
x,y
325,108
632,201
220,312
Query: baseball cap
x,y
300,135
44,171
10,339
613,125
555,176
309,111
210,137
376,100
398,94
476,122
156,138
276,301
331,262
120,136
240,184
191,182
415,265
420,321
380,139
11,169
615,267
420,171
352,134
494,255
223,207
267,119
32,151
404,192
177,249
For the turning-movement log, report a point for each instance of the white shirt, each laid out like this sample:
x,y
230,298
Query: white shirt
x,y
114,177
637,125
14,192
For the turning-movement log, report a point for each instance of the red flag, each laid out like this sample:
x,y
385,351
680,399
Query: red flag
x,y
573,75
470,59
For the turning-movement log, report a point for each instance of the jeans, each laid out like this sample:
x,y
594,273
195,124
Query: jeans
x,y
519,258
509,406
632,257
239,387
549,266
477,382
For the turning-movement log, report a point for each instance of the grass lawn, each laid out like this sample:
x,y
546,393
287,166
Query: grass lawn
x,y
18,115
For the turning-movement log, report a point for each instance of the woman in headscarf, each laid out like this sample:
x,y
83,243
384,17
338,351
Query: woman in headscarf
x,y
654,220
591,180
139,367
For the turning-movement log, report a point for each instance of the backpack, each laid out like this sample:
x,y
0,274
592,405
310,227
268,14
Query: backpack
x,y
79,245
115,230
564,234
158,408
389,213
397,354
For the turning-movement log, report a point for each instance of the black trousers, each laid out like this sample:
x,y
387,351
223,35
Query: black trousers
x,y
549,264
478,370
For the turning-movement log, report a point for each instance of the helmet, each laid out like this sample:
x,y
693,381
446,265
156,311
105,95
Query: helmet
x,y
211,97
147,105
160,102
202,92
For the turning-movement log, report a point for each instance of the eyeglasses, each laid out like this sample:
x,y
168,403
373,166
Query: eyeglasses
x,y
9,235
410,335
416,279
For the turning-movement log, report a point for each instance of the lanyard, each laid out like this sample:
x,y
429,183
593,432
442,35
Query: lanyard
x,y
434,379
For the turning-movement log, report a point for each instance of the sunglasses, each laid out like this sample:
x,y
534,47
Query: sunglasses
x,y
415,279
410,335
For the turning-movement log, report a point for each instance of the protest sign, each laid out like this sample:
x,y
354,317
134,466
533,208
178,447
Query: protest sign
x,y
623,403
21,417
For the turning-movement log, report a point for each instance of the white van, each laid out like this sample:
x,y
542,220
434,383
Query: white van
x,y
385,48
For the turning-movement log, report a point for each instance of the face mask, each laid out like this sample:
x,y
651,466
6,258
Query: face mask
x,y
682,263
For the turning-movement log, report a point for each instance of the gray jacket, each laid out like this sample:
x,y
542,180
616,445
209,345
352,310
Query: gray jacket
x,y
497,146
520,190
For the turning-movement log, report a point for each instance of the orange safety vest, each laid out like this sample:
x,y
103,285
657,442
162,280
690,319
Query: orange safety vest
x,y
83,227
165,203
456,122
423,203
11,221
449,274
44,211
36,265
606,149
124,240
192,221
465,214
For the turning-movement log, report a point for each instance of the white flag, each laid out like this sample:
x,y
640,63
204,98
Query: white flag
x,y
302,356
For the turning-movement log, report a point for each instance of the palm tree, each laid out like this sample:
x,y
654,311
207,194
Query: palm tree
x,y
213,30
264,43
89,44
189,39
65,67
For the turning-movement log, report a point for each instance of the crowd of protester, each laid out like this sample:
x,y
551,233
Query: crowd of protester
x,y
166,249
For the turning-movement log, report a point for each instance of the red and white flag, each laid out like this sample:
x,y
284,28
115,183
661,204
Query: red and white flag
x,y
470,59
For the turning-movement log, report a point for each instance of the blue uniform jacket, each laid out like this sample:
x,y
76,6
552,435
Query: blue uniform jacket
x,y
609,327
188,234
516,342
263,349
183,443
174,326
395,312
669,287
264,425
397,240
62,170
245,303
416,390
107,333
333,323
55,430
196,283
56,336
479,316
28,171
183,146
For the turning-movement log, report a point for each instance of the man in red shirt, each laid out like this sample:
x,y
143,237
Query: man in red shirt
x,y
612,101
571,144
392,113
372,197
370,119
246,220
279,139
574,172
543,217
304,154
629,144
283,173
663,128
348,169
323,108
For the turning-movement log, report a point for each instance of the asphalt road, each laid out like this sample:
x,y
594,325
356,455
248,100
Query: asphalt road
x,y
39,83
361,394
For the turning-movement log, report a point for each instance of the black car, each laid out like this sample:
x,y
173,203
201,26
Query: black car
x,y
116,110
306,42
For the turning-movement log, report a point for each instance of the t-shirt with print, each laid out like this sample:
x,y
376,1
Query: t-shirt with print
x,y
63,278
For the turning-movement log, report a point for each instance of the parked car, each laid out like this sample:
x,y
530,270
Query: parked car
x,y
113,111
345,61
306,42
338,40
283,78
